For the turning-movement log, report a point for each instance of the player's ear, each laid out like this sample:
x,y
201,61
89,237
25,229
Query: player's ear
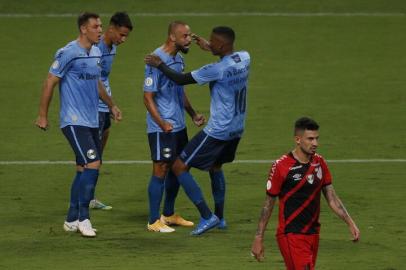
x,y
297,139
172,37
83,29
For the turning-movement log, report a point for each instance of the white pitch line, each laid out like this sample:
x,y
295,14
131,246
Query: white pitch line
x,y
222,14
246,161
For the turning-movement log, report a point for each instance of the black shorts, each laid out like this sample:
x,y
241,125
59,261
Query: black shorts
x,y
85,142
167,146
203,151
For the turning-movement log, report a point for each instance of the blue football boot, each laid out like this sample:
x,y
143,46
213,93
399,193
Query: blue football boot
x,y
206,224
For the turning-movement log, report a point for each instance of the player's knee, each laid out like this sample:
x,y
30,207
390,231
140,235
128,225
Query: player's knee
x,y
79,168
160,169
179,167
93,165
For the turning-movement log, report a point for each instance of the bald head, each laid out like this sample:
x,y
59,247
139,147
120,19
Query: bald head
x,y
179,36
174,25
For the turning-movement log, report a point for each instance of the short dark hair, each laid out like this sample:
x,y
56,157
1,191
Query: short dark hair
x,y
85,16
305,123
121,19
173,24
225,32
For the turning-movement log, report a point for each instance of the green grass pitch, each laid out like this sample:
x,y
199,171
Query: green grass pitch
x,y
347,72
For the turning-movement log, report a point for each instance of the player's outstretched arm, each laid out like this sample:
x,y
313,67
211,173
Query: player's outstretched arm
x,y
109,101
198,119
338,207
178,77
47,91
201,42
257,249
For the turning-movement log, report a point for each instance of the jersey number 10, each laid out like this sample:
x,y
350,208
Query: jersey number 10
x,y
240,101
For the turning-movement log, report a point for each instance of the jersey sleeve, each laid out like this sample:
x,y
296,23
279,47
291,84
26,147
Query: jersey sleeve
x,y
151,79
207,73
62,62
275,181
327,179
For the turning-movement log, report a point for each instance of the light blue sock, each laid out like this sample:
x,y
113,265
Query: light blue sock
x,y
171,191
73,212
88,181
155,193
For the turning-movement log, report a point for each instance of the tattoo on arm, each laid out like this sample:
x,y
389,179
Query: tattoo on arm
x,y
335,203
265,215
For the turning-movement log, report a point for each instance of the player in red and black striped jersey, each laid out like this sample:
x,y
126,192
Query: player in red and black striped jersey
x,y
297,179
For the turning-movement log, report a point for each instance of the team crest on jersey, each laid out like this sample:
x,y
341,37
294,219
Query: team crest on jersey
x,y
91,154
55,64
310,178
167,152
319,172
74,118
236,58
148,81
83,65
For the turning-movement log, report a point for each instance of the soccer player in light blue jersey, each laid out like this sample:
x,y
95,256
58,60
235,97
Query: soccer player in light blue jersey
x,y
216,144
116,34
165,102
76,69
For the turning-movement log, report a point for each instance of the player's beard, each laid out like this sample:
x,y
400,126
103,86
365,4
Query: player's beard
x,y
182,48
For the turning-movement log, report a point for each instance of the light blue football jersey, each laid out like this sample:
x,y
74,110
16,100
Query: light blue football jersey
x,y
228,80
168,95
106,63
79,71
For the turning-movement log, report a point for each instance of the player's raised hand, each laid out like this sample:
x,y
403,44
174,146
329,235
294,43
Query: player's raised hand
x,y
117,115
42,123
199,119
257,249
152,60
201,42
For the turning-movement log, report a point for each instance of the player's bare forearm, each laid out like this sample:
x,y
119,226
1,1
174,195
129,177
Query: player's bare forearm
x,y
339,209
257,248
197,118
201,42
46,96
47,92
188,106
335,203
266,213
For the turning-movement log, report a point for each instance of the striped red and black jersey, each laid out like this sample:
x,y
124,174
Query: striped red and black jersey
x,y
298,187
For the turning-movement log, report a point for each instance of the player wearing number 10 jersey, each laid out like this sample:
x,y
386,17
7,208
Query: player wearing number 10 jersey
x,y
217,143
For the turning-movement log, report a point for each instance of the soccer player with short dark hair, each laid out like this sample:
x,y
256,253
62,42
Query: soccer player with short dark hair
x,y
166,102
297,179
76,69
217,143
117,33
